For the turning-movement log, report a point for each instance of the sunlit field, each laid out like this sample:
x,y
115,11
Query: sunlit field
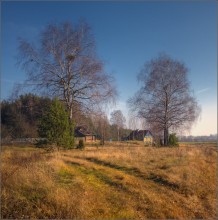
x,y
124,180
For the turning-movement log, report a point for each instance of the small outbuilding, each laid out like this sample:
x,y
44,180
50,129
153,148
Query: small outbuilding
x,y
141,135
81,133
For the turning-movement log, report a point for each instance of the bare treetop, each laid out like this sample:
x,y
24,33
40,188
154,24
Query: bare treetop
x,y
64,64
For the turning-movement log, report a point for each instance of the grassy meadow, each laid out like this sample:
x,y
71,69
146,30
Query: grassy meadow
x,y
119,180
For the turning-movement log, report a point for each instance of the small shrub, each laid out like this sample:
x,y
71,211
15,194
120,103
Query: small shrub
x,y
173,140
158,142
81,145
101,142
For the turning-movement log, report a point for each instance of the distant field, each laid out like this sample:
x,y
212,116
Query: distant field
x,y
198,143
116,181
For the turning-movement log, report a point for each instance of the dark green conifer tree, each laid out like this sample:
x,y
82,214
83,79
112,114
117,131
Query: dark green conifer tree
x,y
56,127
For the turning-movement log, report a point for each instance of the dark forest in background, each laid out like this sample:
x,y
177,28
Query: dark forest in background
x,y
20,118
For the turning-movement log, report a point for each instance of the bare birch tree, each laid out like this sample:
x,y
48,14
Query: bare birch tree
x,y
164,99
118,119
133,122
64,64
101,124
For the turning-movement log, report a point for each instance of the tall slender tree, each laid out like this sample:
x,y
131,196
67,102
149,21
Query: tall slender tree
x,y
165,99
118,119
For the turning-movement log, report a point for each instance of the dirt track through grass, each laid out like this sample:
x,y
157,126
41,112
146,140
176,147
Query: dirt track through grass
x,y
110,183
137,173
119,183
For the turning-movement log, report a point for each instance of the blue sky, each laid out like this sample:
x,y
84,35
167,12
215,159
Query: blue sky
x,y
127,35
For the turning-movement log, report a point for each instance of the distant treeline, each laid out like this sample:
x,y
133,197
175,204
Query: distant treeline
x,y
20,118
210,138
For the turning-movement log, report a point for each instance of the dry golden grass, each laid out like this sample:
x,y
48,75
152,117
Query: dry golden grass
x,y
125,181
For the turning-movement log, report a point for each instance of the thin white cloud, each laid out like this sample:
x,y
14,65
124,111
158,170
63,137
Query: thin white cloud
x,y
202,90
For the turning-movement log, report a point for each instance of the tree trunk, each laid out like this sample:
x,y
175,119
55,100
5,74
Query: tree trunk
x,y
72,124
103,139
166,121
166,136
103,134
118,133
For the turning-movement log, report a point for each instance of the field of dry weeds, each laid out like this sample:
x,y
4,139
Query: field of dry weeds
x,y
115,181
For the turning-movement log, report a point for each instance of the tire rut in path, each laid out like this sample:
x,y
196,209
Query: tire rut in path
x,y
135,172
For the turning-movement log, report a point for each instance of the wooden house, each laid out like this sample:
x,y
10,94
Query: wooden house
x,y
81,133
141,135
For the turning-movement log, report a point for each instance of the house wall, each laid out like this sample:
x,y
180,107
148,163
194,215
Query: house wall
x,y
148,140
85,139
90,138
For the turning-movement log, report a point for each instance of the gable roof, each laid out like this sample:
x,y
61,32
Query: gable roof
x,y
81,131
139,133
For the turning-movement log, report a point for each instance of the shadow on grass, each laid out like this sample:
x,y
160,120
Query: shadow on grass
x,y
98,174
129,170
136,172
160,180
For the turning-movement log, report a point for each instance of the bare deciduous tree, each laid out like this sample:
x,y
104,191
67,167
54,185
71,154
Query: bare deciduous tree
x,y
101,124
164,99
133,122
118,119
64,64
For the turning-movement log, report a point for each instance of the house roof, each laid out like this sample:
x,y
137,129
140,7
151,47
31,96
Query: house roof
x,y
140,132
81,131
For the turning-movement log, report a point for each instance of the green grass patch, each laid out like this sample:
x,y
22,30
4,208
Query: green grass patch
x,y
65,177
95,175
